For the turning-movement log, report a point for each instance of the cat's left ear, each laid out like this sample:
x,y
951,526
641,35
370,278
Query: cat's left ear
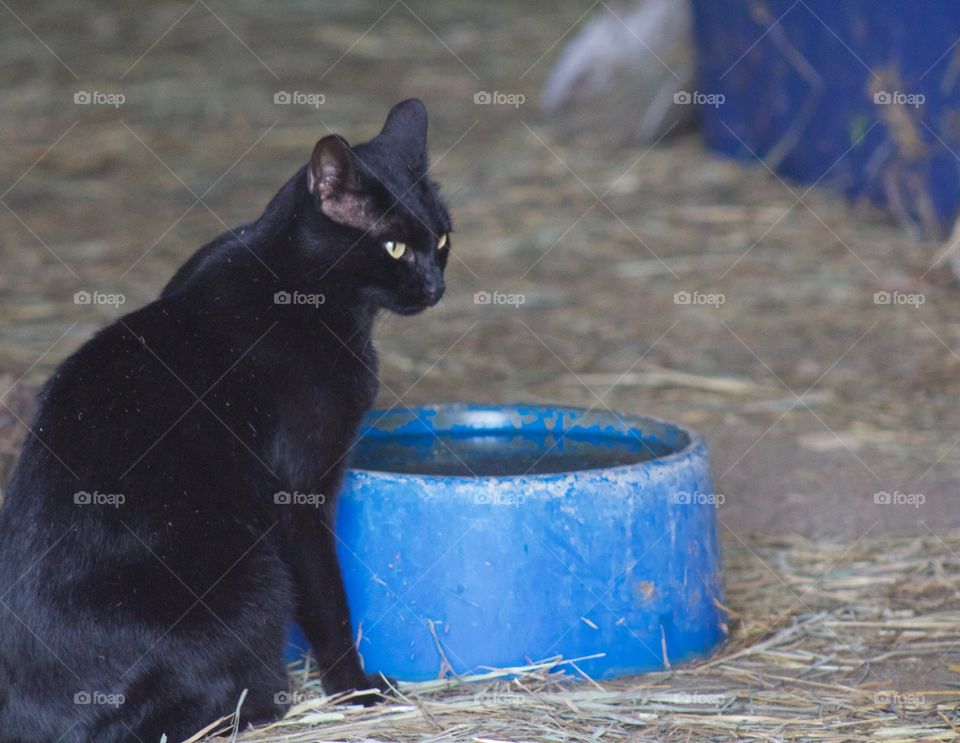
x,y
406,125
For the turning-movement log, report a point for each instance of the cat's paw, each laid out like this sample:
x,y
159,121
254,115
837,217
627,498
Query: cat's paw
x,y
377,687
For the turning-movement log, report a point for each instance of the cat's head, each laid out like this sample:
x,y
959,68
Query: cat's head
x,y
394,224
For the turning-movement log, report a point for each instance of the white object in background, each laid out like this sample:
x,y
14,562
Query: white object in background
x,y
619,75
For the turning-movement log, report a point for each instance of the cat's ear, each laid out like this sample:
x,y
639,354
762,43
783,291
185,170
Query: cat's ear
x,y
332,179
407,125
331,170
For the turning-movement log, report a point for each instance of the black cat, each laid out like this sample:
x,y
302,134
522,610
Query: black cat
x,y
150,557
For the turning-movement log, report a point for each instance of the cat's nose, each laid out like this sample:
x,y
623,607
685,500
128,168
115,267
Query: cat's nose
x,y
433,291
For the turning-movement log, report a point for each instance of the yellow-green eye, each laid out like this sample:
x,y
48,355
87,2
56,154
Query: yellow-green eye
x,y
395,249
442,242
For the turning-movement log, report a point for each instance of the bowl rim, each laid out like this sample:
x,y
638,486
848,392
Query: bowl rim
x,y
695,441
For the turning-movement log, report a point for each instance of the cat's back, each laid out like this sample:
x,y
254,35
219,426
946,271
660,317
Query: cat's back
x,y
132,496
132,437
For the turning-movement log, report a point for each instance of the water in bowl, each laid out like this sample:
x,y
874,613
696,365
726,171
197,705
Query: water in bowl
x,y
500,453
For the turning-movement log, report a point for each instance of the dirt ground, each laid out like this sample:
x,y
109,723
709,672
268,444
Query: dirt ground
x,y
813,397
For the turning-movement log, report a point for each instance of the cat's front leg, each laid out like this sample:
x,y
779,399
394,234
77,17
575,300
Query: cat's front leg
x,y
322,610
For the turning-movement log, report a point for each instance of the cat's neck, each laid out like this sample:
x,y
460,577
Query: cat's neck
x,y
291,249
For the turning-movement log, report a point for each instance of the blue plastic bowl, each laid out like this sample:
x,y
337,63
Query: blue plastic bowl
x,y
501,535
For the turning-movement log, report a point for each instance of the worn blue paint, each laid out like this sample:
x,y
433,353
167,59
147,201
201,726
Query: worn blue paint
x,y
622,561
799,81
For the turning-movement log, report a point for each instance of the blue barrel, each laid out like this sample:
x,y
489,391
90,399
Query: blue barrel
x,y
489,536
858,95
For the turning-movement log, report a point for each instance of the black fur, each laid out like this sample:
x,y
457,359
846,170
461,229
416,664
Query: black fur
x,y
195,411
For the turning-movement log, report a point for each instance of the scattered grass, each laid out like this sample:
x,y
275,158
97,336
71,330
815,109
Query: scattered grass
x,y
821,635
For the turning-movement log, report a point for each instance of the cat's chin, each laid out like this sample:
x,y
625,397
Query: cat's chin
x,y
411,309
416,307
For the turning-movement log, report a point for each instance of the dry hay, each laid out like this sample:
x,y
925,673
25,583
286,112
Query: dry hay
x,y
817,632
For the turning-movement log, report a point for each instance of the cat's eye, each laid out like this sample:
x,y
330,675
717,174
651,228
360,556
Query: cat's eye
x,y
395,249
442,242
